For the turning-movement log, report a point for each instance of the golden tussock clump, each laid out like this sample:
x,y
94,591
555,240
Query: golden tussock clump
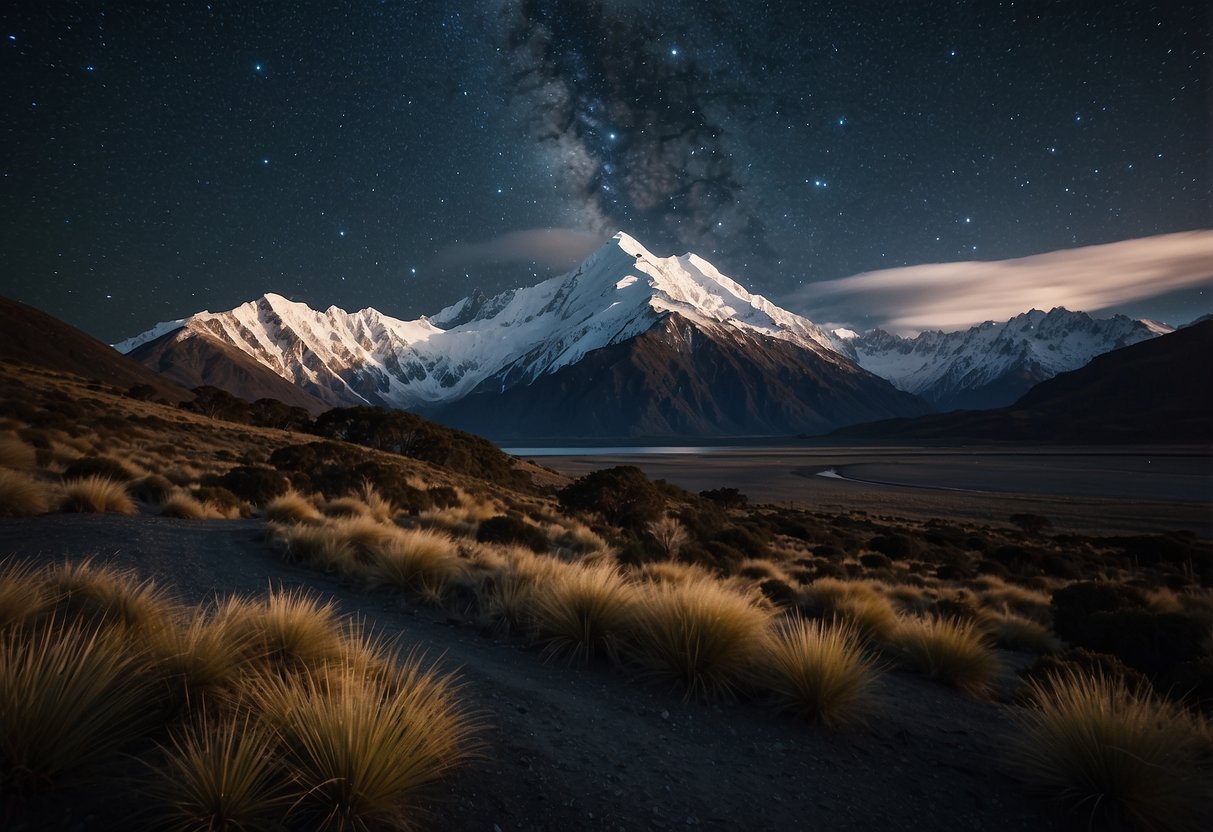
x,y
416,560
96,495
953,651
864,607
21,495
817,671
360,748
1121,759
184,506
15,454
585,612
699,635
291,507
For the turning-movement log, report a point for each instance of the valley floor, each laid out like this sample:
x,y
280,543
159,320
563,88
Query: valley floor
x,y
587,749
1093,490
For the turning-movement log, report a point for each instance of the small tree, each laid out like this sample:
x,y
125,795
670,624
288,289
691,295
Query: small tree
x,y
1033,524
623,495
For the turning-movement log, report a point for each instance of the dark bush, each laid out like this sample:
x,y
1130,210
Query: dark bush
x,y
255,484
512,530
1033,524
1113,618
623,495
896,546
150,489
952,572
443,496
218,404
335,470
98,466
875,561
744,540
1190,682
142,392
271,413
778,592
728,498
407,434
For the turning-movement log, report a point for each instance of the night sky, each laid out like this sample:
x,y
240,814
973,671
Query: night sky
x,y
166,157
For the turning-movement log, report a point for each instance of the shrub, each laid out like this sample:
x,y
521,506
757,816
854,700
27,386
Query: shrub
x,y
96,495
817,671
150,489
360,748
291,507
584,611
21,495
512,530
68,696
726,498
98,466
897,546
699,635
254,484
1118,757
220,774
623,495
948,649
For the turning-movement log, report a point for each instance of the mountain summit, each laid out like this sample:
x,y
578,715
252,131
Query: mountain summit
x,y
627,344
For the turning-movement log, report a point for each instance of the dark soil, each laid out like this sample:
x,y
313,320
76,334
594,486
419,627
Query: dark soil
x,y
568,749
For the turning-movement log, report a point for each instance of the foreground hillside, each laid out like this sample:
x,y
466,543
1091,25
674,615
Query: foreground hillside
x,y
561,608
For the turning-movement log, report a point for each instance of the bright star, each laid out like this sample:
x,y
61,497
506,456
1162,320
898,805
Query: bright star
x,y
265,161
341,233
256,67
674,52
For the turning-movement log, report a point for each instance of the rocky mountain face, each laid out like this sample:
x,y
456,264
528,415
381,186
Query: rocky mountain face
x,y
627,344
993,364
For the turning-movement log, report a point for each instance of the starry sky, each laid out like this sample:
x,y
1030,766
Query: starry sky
x,y
166,157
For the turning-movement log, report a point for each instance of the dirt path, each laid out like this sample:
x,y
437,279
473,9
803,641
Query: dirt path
x,y
571,749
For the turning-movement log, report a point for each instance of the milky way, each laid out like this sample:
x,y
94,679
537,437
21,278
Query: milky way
x,y
165,158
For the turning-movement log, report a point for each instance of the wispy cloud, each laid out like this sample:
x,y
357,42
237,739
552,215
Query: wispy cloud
x,y
956,295
555,248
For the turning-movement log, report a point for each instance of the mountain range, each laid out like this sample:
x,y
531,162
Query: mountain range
x,y
626,345
993,364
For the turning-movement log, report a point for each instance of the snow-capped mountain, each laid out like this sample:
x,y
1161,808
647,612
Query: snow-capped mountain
x,y
493,346
992,365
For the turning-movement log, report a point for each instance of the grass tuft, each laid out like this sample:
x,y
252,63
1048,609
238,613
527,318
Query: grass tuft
x,y
1121,759
417,560
96,495
103,595
287,631
361,749
68,696
863,606
952,650
220,774
21,495
24,595
699,635
185,507
291,507
16,454
817,671
584,612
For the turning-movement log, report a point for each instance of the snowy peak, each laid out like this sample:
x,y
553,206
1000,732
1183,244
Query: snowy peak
x,y
619,292
992,364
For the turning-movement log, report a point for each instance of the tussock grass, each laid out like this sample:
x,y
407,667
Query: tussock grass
x,y
380,508
346,507
698,635
1014,632
220,774
950,650
103,595
291,507
362,749
672,572
817,671
69,695
24,595
96,495
185,507
197,654
576,537
586,611
863,606
287,631
416,560
21,495
1122,760
15,454
150,489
